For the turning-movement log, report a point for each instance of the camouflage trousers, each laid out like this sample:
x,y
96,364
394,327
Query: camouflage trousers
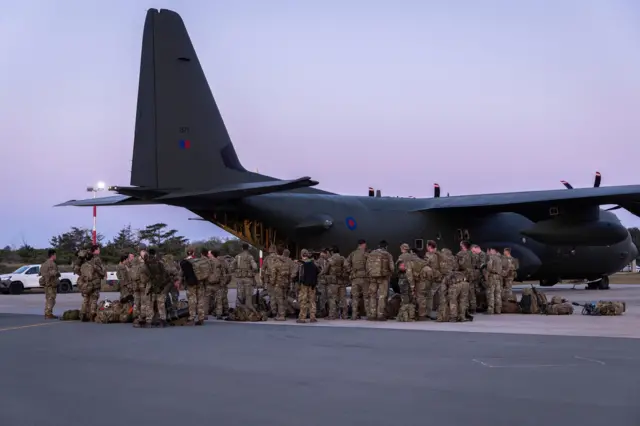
x,y
494,294
278,303
424,298
149,300
443,300
222,301
507,288
405,290
473,288
244,295
323,297
195,298
359,296
378,294
337,294
210,294
125,291
272,296
50,293
458,295
137,304
90,295
307,300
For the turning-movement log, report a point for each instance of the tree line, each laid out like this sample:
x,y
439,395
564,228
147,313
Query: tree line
x,y
127,240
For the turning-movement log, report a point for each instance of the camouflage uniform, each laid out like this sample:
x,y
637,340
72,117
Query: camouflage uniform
x,y
212,286
321,289
124,278
145,312
244,267
465,262
407,290
137,287
196,293
93,272
447,266
306,296
174,276
379,270
356,265
157,289
458,296
279,277
420,277
509,271
49,279
337,291
433,262
266,276
494,284
223,295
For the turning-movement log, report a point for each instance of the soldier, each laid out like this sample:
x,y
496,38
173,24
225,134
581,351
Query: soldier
x,y
337,291
279,277
293,270
432,257
137,264
49,279
406,288
321,289
265,274
420,277
174,279
93,272
308,277
475,285
214,296
510,269
244,267
465,261
224,286
155,289
192,280
123,275
143,276
356,265
379,269
494,283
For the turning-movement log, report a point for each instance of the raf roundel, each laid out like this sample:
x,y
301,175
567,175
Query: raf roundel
x,y
351,223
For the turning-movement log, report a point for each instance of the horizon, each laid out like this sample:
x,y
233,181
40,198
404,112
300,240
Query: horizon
x,y
394,96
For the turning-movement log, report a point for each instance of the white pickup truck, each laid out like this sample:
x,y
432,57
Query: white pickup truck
x,y
27,277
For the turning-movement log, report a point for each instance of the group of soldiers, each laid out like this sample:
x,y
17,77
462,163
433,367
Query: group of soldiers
x,y
317,281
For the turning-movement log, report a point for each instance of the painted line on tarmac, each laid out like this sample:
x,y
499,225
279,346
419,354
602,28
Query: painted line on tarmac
x,y
20,327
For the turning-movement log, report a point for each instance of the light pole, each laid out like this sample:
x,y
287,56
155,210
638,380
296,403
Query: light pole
x,y
100,186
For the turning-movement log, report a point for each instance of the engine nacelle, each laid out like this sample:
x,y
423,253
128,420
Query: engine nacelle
x,y
568,232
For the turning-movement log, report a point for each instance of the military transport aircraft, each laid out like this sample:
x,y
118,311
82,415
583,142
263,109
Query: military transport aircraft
x,y
183,156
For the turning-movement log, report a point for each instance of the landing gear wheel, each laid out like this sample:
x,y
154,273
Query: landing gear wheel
x,y
604,283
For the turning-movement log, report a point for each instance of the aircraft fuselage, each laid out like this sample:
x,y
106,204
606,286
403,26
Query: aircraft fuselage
x,y
313,221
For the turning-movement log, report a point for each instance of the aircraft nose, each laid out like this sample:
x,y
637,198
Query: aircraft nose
x,y
633,251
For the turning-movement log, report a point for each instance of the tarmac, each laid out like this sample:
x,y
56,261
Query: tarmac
x,y
497,370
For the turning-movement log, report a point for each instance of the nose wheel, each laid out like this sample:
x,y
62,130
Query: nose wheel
x,y
601,284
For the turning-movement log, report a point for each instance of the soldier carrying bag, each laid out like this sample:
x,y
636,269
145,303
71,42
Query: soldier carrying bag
x,y
157,273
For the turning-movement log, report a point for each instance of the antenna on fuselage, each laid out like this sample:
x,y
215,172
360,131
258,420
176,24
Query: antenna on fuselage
x,y
436,190
371,192
378,193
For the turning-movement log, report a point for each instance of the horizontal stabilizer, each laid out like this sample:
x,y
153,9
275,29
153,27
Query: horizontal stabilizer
x,y
515,201
241,190
115,200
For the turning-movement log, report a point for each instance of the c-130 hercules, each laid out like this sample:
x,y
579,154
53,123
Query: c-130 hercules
x,y
183,156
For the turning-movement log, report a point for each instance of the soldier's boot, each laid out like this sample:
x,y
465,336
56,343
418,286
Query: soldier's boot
x,y
201,322
162,323
219,317
84,318
278,318
92,317
423,319
191,322
140,324
301,321
382,318
50,316
313,320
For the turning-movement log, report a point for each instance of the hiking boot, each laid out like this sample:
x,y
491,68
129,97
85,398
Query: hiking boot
x,y
301,321
50,316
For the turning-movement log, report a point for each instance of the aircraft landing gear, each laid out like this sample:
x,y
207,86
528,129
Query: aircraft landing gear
x,y
548,282
601,284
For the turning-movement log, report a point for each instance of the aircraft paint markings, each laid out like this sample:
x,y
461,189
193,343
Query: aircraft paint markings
x,y
351,223
29,326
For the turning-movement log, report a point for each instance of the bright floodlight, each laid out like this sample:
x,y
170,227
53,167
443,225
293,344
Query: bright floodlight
x,y
101,185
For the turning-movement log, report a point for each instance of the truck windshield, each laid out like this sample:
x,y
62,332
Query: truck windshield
x,y
21,269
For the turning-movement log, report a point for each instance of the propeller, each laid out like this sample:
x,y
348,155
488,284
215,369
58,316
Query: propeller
x,y
596,184
436,190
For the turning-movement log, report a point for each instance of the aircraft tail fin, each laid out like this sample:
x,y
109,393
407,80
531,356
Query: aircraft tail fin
x,y
181,140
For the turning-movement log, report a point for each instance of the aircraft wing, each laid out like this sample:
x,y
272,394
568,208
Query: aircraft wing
x,y
627,196
140,196
115,200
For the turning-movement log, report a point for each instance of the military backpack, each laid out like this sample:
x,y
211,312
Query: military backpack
x,y
378,264
158,275
200,268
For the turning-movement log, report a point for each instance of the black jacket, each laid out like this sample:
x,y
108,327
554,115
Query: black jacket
x,y
309,273
188,272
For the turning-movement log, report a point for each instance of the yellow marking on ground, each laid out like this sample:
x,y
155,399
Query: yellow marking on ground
x,y
40,324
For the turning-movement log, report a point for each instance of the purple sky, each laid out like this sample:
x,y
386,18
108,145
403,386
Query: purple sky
x,y
394,94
